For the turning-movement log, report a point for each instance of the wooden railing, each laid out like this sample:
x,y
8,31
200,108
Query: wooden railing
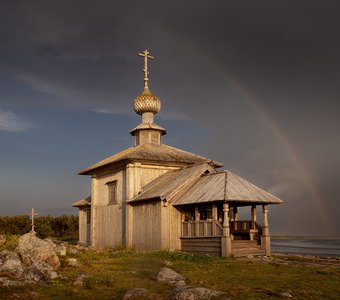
x,y
201,228
245,229
206,228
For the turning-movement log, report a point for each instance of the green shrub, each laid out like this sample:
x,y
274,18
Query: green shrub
x,y
11,243
62,227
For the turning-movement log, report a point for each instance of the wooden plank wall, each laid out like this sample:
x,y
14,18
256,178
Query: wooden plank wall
x,y
82,227
202,245
149,173
107,218
146,227
108,229
171,227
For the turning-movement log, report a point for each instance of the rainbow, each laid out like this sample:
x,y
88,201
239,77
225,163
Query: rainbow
x,y
307,179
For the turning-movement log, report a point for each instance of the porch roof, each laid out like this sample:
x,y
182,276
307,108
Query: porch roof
x,y
225,186
173,182
201,183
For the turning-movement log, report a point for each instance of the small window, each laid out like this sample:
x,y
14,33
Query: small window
x,y
112,188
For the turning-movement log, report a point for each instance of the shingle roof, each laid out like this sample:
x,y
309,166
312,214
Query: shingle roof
x,y
150,152
201,183
83,202
172,182
225,186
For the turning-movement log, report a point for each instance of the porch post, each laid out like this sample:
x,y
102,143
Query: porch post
x,y
265,239
253,216
235,213
253,230
215,216
225,240
197,217
235,210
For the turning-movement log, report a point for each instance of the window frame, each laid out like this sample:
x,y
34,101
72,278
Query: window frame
x,y
112,187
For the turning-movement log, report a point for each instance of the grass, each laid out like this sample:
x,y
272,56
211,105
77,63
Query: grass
x,y
112,273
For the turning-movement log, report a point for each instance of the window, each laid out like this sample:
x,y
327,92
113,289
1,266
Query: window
x,y
112,188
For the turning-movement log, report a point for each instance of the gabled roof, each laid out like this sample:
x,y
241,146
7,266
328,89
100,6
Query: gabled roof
x,y
83,202
172,182
201,183
227,186
151,152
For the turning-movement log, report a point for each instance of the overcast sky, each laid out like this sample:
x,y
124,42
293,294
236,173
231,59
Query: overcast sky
x,y
253,84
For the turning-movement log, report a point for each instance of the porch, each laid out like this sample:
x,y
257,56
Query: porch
x,y
222,234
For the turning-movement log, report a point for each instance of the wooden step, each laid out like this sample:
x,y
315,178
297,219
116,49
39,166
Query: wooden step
x,y
245,248
245,252
244,244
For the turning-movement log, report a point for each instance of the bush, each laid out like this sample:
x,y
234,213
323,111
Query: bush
x,y
11,243
62,227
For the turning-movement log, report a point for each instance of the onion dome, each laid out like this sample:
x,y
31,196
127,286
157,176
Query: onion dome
x,y
147,103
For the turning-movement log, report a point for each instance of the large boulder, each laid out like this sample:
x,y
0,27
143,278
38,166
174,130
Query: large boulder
x,y
170,276
136,293
10,264
39,271
196,293
81,280
32,249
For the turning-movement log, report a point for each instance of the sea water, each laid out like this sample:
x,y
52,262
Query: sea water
x,y
319,246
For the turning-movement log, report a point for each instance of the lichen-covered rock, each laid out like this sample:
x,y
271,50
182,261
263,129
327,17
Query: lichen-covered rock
x,y
73,262
10,264
60,249
170,276
39,271
7,282
51,243
32,249
286,295
195,293
136,293
72,250
81,279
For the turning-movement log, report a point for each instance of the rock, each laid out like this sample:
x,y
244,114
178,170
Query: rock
x,y
72,250
195,293
136,293
169,276
81,279
6,282
53,245
39,271
33,249
2,239
72,262
285,295
60,249
10,264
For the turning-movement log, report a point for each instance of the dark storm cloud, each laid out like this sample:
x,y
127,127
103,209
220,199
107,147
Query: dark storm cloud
x,y
218,64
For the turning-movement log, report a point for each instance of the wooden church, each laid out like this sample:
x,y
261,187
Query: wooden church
x,y
153,196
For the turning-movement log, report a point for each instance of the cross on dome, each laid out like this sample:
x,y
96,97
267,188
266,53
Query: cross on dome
x,y
147,105
146,55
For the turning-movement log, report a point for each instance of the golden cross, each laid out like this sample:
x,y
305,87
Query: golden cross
x,y
146,55
33,213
